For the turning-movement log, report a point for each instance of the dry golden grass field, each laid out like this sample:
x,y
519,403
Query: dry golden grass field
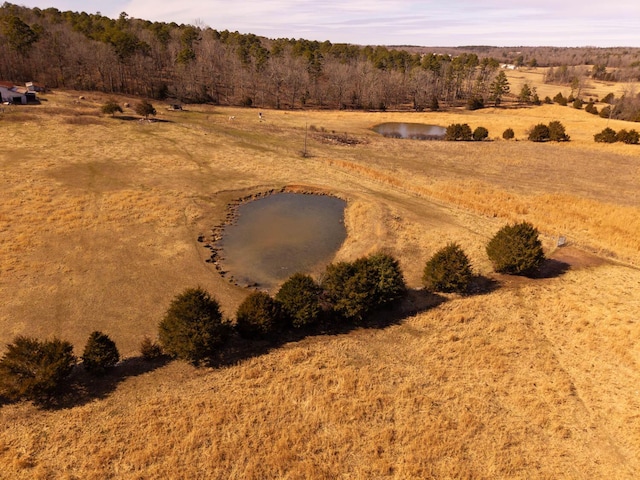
x,y
538,378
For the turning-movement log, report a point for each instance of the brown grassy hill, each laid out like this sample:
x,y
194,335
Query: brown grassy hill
x,y
99,220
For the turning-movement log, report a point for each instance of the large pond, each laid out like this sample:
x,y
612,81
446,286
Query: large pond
x,y
414,131
282,234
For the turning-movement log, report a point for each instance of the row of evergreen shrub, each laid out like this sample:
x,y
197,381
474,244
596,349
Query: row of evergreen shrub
x,y
609,135
349,292
193,327
515,249
461,132
554,132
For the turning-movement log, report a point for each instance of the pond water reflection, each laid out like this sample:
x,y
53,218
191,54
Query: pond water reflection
x,y
282,234
414,131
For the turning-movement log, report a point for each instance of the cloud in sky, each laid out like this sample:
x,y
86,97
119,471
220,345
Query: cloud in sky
x,y
396,22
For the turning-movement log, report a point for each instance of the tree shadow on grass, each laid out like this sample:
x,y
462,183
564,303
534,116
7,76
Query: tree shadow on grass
x,y
552,268
83,387
481,285
130,118
238,349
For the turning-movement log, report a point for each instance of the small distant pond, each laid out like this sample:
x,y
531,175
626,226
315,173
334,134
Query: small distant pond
x,y
276,236
414,131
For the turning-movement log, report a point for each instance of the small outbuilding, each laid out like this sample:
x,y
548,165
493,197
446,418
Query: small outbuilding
x,y
15,95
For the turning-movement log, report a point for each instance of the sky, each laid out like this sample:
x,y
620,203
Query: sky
x,y
561,23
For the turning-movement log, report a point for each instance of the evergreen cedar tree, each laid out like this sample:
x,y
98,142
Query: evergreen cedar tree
x,y
100,354
448,270
560,99
458,132
193,326
498,88
355,289
609,135
516,249
145,109
631,137
111,107
539,133
555,132
258,316
480,133
508,134
591,108
300,300
35,370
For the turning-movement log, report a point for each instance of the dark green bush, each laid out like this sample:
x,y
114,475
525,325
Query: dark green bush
x,y
578,103
258,315
458,132
608,135
355,289
448,270
388,281
35,370
516,249
560,99
525,94
508,134
193,326
548,100
300,300
591,108
554,131
111,107
346,287
557,132
605,112
100,353
144,108
608,98
480,133
539,133
630,137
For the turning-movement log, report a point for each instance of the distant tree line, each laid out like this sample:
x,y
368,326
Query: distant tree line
x,y
198,64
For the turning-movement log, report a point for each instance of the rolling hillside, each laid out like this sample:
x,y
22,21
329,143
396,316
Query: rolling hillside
x,y
537,378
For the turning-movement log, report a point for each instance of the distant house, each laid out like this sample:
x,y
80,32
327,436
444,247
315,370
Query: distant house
x,y
508,66
10,93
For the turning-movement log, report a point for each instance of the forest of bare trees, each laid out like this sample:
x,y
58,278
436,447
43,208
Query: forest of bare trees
x,y
198,64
